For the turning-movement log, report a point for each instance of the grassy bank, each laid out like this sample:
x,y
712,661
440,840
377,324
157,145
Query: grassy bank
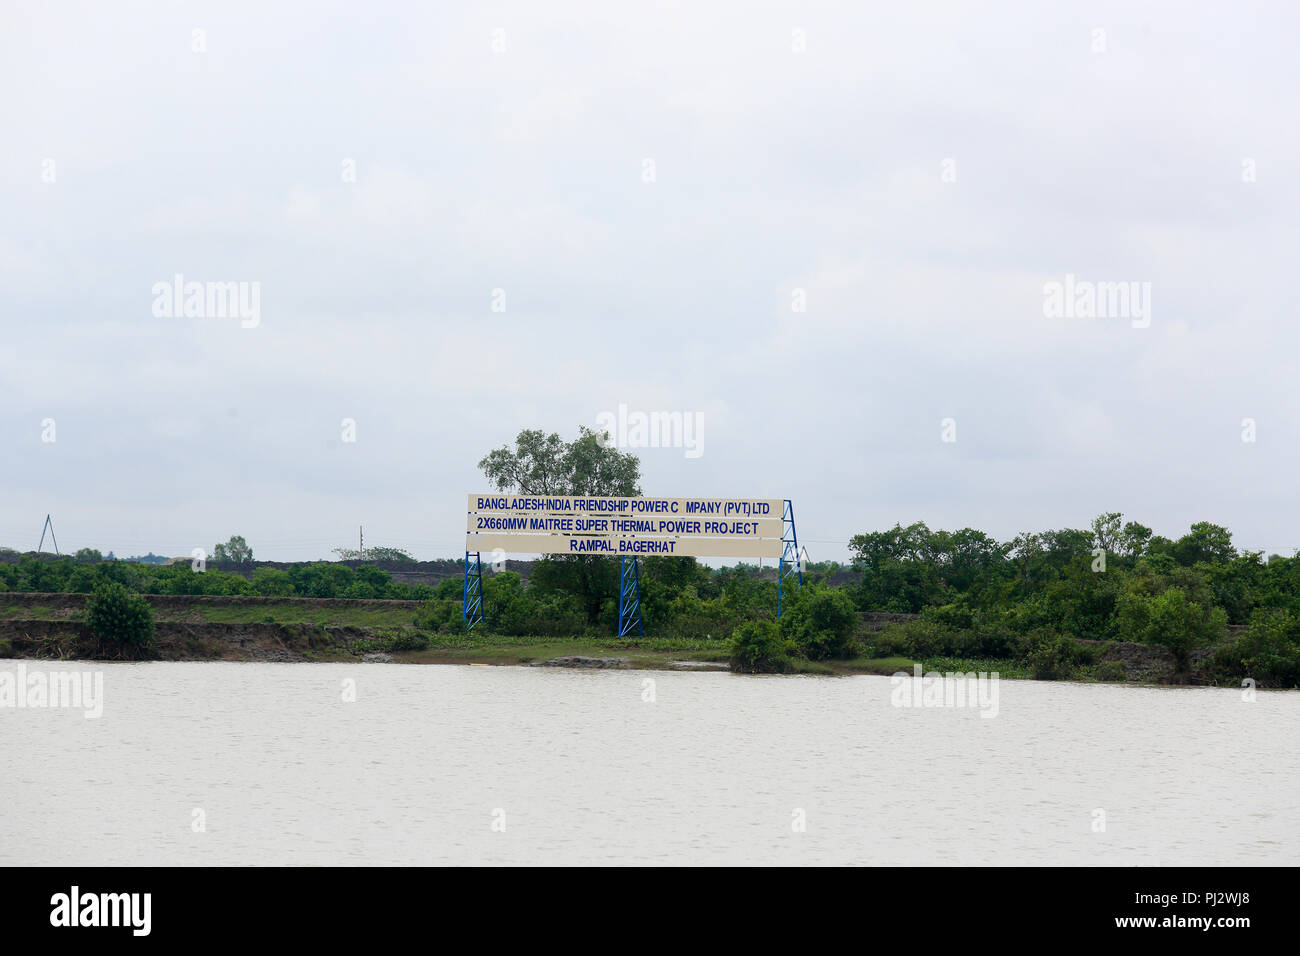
x,y
245,628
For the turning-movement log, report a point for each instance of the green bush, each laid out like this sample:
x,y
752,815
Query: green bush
x,y
359,590
820,622
271,582
957,615
410,641
757,647
1269,650
441,616
120,620
1054,656
1112,671
82,580
1171,620
923,638
991,638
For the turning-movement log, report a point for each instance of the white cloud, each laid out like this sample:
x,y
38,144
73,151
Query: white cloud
x,y
522,171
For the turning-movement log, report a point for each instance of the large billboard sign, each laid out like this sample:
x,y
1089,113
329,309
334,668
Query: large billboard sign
x,y
692,527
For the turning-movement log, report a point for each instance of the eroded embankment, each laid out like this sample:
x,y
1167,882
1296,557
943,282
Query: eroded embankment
x,y
51,626
191,641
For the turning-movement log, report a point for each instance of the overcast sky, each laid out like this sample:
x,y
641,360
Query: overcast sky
x,y
651,186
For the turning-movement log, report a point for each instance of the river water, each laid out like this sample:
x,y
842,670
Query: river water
x,y
210,763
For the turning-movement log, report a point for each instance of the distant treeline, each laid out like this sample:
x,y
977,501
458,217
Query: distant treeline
x,y
1113,581
320,579
1027,600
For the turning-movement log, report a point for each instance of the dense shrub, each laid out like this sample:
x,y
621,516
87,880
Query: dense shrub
x,y
441,616
271,582
921,638
1111,671
1268,650
994,639
757,647
121,621
1054,656
410,640
820,622
958,615
82,580
1172,621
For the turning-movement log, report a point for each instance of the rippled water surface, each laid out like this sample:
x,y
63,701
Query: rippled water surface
x,y
582,768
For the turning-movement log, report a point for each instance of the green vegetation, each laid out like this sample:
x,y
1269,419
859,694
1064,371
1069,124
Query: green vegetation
x,y
235,551
819,622
760,647
1170,620
122,622
1064,604
318,579
1055,657
1269,646
1025,599
541,464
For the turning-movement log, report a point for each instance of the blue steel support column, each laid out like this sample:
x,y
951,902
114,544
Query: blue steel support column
x,y
791,566
471,607
629,597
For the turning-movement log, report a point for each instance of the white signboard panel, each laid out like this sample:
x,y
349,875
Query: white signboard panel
x,y
631,507
658,526
634,546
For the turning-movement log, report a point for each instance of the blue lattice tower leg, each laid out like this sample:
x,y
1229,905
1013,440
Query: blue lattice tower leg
x,y
471,608
629,597
791,564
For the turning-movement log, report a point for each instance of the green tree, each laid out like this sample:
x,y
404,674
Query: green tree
x,y
83,580
234,551
591,580
389,554
379,581
898,569
1172,621
541,464
321,579
1207,542
820,622
964,557
1133,540
1106,531
1269,650
120,620
510,608
271,582
37,574
89,556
